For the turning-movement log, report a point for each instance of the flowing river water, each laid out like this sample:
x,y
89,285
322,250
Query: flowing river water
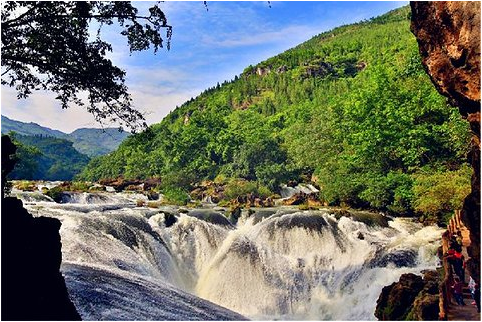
x,y
121,262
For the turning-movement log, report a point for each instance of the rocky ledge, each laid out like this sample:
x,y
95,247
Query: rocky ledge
x,y
411,298
33,287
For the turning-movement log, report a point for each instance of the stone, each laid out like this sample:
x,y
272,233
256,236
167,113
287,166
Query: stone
x,y
395,301
33,287
296,199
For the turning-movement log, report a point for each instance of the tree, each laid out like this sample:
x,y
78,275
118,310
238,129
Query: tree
x,y
47,45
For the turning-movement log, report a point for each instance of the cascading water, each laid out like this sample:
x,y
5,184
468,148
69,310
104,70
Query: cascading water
x,y
127,262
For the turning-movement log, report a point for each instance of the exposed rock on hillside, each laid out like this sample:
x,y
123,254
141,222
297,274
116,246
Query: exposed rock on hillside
x,y
448,34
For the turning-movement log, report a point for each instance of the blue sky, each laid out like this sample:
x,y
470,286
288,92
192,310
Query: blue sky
x,y
208,46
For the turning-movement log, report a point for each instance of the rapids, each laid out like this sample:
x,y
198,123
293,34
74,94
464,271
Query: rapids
x,y
126,262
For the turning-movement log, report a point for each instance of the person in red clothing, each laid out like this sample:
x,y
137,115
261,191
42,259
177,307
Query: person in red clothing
x,y
458,291
458,264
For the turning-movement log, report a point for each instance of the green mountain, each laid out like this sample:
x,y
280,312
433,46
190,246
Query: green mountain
x,y
46,158
9,125
94,142
350,109
89,141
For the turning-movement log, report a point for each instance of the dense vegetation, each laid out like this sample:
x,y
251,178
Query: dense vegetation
x,y
88,141
46,158
350,109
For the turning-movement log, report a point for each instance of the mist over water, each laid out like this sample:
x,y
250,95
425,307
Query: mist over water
x,y
122,262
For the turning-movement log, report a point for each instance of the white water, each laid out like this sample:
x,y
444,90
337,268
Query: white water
x,y
121,262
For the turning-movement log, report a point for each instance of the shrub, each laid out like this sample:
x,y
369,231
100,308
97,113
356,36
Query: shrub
x,y
175,196
239,187
25,185
55,193
441,192
79,186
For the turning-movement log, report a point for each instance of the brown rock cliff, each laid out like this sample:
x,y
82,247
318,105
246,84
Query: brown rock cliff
x,y
448,35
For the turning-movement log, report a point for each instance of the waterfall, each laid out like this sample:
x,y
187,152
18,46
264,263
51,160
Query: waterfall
x,y
128,262
287,192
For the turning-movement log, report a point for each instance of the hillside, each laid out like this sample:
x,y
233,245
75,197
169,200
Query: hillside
x,y
88,141
350,109
46,158
94,142
9,125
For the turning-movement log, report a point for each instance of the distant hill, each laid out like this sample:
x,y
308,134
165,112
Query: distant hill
x,y
95,142
88,141
31,128
46,158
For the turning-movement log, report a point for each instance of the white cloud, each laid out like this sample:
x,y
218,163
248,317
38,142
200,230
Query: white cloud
x,y
42,108
291,34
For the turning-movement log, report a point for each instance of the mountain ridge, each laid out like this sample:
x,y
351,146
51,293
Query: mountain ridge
x,y
89,141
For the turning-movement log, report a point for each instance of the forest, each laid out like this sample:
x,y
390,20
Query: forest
x,y
351,110
42,157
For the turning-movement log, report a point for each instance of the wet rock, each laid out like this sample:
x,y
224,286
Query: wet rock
x,y
426,304
411,298
169,219
152,195
121,184
211,217
306,221
396,300
235,214
296,199
401,258
425,308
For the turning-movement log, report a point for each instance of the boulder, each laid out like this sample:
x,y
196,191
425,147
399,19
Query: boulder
x,y
33,287
296,199
411,298
396,300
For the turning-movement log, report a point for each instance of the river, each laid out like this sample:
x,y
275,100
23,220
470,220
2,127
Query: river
x,y
121,262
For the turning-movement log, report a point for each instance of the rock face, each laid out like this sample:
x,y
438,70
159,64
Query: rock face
x,y
448,35
411,298
396,299
32,286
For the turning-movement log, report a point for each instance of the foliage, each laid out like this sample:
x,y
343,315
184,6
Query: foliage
x,y
175,196
238,188
437,193
55,193
352,106
46,158
8,163
46,45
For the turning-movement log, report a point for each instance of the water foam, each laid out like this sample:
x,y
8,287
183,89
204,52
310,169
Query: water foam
x,y
278,264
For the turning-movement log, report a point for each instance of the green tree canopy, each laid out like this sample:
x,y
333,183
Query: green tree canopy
x,y
47,45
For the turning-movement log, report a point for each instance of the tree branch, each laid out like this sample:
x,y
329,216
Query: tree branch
x,y
7,23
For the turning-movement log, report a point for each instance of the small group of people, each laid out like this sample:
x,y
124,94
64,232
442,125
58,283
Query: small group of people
x,y
455,257
475,292
457,260
457,288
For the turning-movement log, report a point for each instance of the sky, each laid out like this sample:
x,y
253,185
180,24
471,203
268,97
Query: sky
x,y
208,46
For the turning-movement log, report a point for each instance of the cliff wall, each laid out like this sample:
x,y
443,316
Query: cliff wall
x,y
33,287
448,35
